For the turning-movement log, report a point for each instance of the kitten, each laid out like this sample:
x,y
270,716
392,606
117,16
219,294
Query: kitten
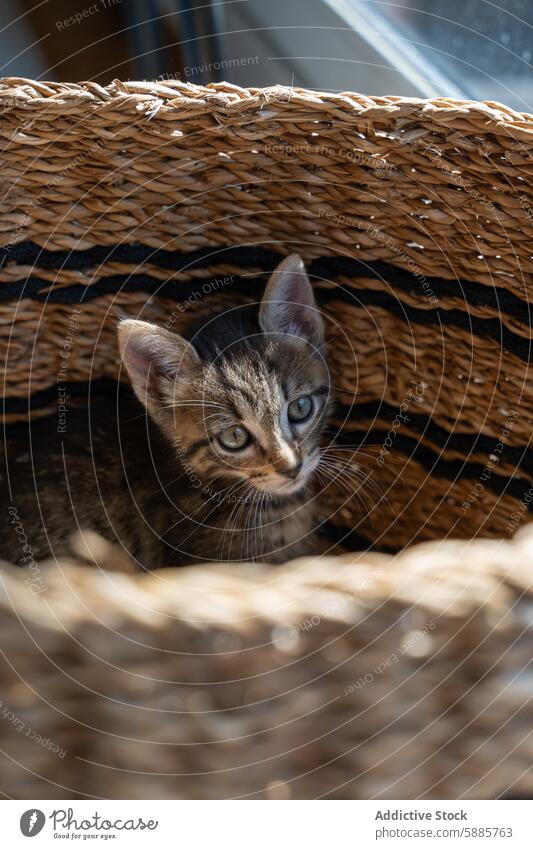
x,y
216,460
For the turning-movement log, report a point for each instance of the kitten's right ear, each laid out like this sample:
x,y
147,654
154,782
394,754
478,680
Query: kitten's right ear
x,y
155,359
288,305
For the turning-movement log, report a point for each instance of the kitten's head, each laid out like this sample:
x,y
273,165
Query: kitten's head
x,y
244,400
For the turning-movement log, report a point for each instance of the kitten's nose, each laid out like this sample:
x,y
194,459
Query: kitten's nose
x,y
293,471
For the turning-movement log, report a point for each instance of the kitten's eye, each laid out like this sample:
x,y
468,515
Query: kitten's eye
x,y
300,409
234,438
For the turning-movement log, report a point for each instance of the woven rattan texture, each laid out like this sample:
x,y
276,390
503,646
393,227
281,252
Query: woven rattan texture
x,y
415,218
357,676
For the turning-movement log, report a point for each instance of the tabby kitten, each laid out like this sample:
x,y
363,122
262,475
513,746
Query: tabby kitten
x,y
217,464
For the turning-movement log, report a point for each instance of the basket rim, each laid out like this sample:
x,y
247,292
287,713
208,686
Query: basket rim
x,y
448,577
226,97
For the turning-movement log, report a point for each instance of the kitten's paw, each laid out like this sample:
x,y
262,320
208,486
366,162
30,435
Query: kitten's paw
x,y
93,548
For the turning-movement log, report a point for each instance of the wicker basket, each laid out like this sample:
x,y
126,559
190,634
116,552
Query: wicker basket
x,y
355,676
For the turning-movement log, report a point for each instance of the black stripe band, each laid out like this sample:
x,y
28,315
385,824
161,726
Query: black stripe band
x,y
488,328
245,256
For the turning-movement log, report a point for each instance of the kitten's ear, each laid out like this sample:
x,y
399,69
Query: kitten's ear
x,y
288,305
154,358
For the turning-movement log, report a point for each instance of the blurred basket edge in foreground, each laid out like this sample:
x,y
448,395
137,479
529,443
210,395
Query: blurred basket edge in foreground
x,y
358,676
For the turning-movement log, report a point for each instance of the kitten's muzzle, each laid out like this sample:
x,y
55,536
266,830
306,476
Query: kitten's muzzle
x,y
291,472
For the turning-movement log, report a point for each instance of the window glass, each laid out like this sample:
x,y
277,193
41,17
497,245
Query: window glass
x,y
485,47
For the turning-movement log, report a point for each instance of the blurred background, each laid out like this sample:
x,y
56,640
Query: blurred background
x,y
458,48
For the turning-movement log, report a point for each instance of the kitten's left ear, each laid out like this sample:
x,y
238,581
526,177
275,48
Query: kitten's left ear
x,y
155,359
288,305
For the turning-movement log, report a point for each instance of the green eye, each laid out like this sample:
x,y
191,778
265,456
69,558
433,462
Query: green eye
x,y
234,438
300,409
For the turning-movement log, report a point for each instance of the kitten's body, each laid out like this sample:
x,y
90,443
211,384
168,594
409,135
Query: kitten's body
x,y
154,477
122,482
